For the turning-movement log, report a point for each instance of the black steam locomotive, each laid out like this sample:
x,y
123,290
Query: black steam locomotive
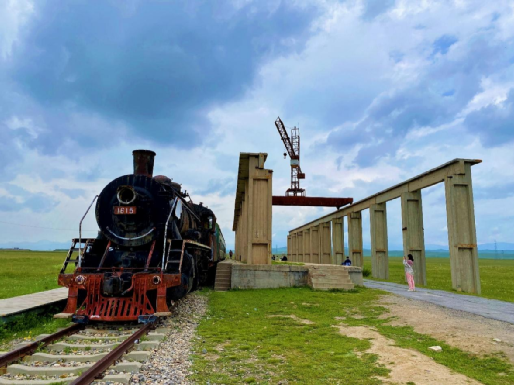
x,y
154,246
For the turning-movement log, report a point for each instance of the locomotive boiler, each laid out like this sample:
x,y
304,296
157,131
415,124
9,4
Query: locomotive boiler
x,y
154,245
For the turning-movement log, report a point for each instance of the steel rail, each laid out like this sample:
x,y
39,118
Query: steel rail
x,y
30,348
103,364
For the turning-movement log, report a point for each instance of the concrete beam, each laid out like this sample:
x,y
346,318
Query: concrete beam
x,y
355,235
413,233
379,241
424,180
338,246
461,228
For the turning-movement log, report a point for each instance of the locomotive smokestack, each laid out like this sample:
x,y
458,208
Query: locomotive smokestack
x,y
143,161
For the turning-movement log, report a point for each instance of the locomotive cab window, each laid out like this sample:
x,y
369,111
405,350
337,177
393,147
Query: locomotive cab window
x,y
210,218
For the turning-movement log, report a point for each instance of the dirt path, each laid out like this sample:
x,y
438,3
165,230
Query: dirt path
x,y
471,333
406,365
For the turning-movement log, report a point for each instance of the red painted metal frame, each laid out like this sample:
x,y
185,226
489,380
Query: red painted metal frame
x,y
105,308
310,201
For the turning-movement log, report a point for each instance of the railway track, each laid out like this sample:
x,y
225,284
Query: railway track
x,y
81,356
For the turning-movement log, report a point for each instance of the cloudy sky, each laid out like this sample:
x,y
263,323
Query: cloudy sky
x,y
381,90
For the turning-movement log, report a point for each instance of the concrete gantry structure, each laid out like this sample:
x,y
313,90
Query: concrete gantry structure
x,y
457,177
252,222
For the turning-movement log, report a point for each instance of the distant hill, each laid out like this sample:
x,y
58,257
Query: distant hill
x,y
436,251
500,246
42,245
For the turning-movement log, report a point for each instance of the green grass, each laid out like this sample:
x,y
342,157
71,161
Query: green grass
x,y
496,275
243,344
26,272
286,263
29,325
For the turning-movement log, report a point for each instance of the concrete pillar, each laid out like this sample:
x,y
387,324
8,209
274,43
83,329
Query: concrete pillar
x,y
379,241
289,248
293,247
325,243
244,226
338,247
355,234
461,228
300,246
315,245
413,233
259,212
307,246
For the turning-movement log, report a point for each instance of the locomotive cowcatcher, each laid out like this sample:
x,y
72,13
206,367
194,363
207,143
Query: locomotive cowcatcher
x,y
154,245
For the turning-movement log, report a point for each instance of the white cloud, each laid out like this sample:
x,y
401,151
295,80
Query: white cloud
x,y
347,67
14,15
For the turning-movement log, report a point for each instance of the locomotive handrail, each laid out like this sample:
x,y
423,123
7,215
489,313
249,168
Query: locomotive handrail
x,y
130,238
166,232
80,231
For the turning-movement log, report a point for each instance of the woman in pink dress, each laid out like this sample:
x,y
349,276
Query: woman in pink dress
x,y
408,268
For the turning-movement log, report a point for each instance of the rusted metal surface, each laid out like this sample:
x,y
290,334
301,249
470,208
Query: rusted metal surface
x,y
143,162
104,255
310,201
29,349
284,136
96,306
103,364
466,246
150,255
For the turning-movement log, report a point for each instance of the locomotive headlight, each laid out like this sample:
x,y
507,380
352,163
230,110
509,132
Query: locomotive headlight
x,y
80,280
126,194
156,280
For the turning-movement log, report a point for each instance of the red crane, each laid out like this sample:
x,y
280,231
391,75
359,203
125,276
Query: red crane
x,y
293,148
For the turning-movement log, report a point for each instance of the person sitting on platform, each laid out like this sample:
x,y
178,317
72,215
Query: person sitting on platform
x,y
347,262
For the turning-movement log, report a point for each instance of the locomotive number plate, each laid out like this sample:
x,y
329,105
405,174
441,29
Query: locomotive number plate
x,y
124,209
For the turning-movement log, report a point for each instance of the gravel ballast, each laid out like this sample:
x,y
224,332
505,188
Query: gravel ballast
x,y
169,363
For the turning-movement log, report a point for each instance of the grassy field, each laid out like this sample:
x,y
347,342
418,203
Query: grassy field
x,y
496,275
17,279
249,337
26,272
29,325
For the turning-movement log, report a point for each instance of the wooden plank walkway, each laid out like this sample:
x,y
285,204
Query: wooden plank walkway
x,y
19,304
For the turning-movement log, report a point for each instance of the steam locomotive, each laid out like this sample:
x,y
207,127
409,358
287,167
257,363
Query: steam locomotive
x,y
154,245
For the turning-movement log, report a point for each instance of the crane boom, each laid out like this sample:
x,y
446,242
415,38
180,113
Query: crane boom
x,y
286,139
293,148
